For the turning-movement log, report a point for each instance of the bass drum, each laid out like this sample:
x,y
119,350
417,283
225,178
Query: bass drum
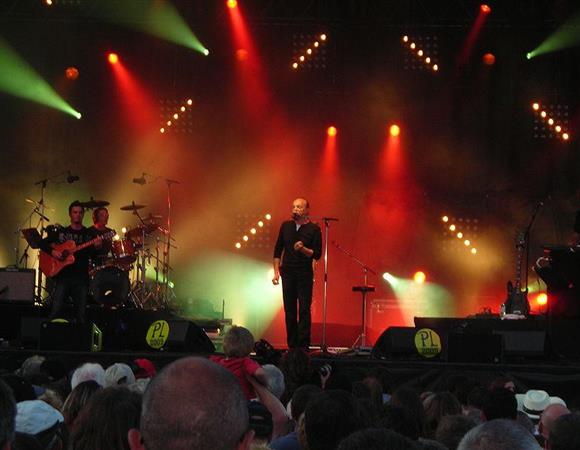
x,y
110,286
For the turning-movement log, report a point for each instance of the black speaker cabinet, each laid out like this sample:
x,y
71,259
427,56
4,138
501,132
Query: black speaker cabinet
x,y
67,336
474,348
395,342
17,285
523,343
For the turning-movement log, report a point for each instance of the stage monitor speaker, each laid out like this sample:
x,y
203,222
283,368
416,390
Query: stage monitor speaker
x,y
474,348
157,331
17,285
67,336
395,342
523,343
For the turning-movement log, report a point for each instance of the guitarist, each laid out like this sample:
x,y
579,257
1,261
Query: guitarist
x,y
73,280
100,221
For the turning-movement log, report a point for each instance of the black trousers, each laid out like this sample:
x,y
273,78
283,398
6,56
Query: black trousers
x,y
75,287
297,294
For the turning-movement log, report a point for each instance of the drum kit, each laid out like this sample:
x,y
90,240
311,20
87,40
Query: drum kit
x,y
137,271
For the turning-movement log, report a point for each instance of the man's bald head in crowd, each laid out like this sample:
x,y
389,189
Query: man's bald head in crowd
x,y
193,403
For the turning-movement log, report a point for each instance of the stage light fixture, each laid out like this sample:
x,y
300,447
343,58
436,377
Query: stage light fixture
x,y
308,51
71,73
268,216
467,242
419,277
113,58
48,2
488,59
331,131
452,227
550,121
421,52
260,224
180,120
253,231
485,9
232,4
206,52
458,231
474,251
238,245
460,235
542,299
394,130
529,55
245,238
252,236
445,219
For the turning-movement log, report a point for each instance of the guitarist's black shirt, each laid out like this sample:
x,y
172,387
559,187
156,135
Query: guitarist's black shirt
x,y
80,268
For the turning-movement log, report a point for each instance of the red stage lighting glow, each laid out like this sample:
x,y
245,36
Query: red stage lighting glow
x,y
394,130
232,4
71,73
113,58
241,54
331,131
489,59
485,9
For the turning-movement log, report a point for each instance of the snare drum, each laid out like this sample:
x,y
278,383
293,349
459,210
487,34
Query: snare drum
x,y
124,250
110,286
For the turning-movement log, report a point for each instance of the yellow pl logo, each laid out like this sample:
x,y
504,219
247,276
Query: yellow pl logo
x,y
427,342
157,334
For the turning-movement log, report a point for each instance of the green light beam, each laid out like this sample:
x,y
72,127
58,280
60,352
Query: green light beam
x,y
566,36
18,78
156,18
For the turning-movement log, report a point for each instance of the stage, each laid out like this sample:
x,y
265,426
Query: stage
x,y
537,352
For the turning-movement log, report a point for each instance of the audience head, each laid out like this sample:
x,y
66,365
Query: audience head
x,y
238,342
437,406
275,380
499,434
118,374
77,399
7,415
451,430
565,433
260,422
409,399
549,416
144,368
212,413
42,422
329,417
86,372
500,403
301,398
21,388
376,439
106,420
504,382
399,419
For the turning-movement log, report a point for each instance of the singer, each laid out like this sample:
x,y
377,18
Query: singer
x,y
299,243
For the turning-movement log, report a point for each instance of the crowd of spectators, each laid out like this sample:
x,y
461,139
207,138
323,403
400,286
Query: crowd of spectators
x,y
231,402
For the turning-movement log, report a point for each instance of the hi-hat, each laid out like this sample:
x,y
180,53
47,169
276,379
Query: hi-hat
x,y
132,207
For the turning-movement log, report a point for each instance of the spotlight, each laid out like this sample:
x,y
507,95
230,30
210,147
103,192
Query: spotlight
x,y
245,238
435,67
542,299
389,278
420,53
489,59
309,51
253,231
413,45
474,251
485,9
176,116
323,37
295,65
124,230
189,102
162,130
206,52
48,2
543,114
260,224
419,277
232,4
78,115
445,219
467,242
394,130
113,58
565,136
550,121
238,245
331,131
71,73
529,55
182,109
558,128
405,38
460,235
535,106
452,227
268,216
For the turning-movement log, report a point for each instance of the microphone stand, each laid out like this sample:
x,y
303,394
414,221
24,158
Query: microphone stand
x,y
326,220
366,269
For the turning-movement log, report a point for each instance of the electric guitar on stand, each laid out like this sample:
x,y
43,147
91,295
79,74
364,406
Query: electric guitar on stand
x,y
516,305
51,266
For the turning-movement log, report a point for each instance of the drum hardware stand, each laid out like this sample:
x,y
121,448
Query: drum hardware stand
x,y
364,289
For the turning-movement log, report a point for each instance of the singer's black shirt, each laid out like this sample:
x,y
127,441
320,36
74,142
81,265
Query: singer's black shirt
x,y
311,237
80,268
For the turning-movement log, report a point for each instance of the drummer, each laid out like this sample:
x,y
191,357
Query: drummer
x,y
100,221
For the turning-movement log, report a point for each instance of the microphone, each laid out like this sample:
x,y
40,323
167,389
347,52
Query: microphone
x,y
71,178
141,180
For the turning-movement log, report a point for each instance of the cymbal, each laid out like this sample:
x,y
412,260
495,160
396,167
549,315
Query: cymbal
x,y
132,207
92,203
